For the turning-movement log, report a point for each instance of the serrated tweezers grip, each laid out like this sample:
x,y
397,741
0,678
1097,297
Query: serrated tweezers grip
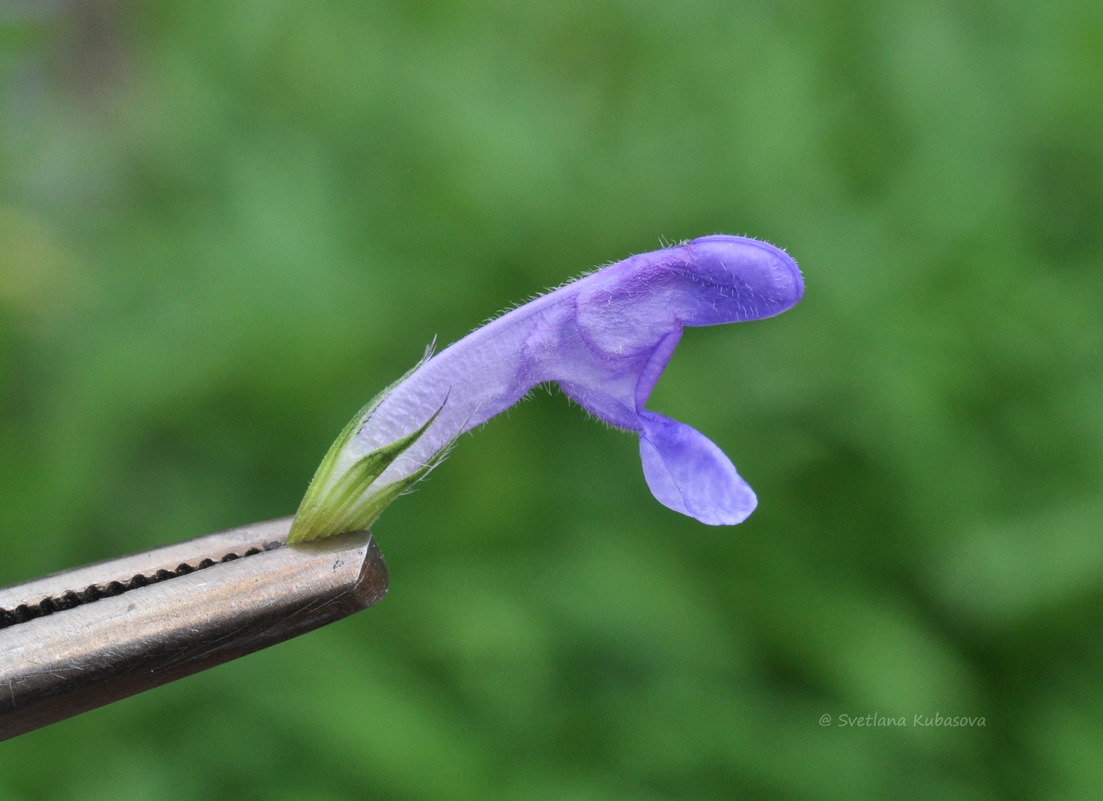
x,y
58,662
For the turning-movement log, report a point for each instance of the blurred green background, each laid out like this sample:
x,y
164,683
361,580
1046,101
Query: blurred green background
x,y
224,226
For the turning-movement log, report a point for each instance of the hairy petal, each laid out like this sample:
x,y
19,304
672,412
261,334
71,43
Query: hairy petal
x,y
605,339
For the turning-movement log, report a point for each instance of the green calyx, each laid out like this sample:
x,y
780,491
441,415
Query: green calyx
x,y
335,504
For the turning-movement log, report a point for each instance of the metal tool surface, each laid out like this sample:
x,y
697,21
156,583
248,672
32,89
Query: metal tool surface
x,y
76,640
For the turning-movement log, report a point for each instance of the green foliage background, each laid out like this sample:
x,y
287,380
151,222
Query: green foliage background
x,y
224,226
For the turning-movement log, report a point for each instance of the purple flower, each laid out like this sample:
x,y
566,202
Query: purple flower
x,y
605,339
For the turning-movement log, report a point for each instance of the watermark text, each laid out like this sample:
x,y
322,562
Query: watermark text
x,y
920,720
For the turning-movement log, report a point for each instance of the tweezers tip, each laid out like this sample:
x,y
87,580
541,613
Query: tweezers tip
x,y
374,577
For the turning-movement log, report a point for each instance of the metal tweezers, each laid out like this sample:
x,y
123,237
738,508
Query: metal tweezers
x,y
82,638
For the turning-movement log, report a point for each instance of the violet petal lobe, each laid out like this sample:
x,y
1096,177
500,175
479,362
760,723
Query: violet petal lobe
x,y
605,339
688,473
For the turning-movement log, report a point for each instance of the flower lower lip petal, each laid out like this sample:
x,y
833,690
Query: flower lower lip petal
x,y
688,473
